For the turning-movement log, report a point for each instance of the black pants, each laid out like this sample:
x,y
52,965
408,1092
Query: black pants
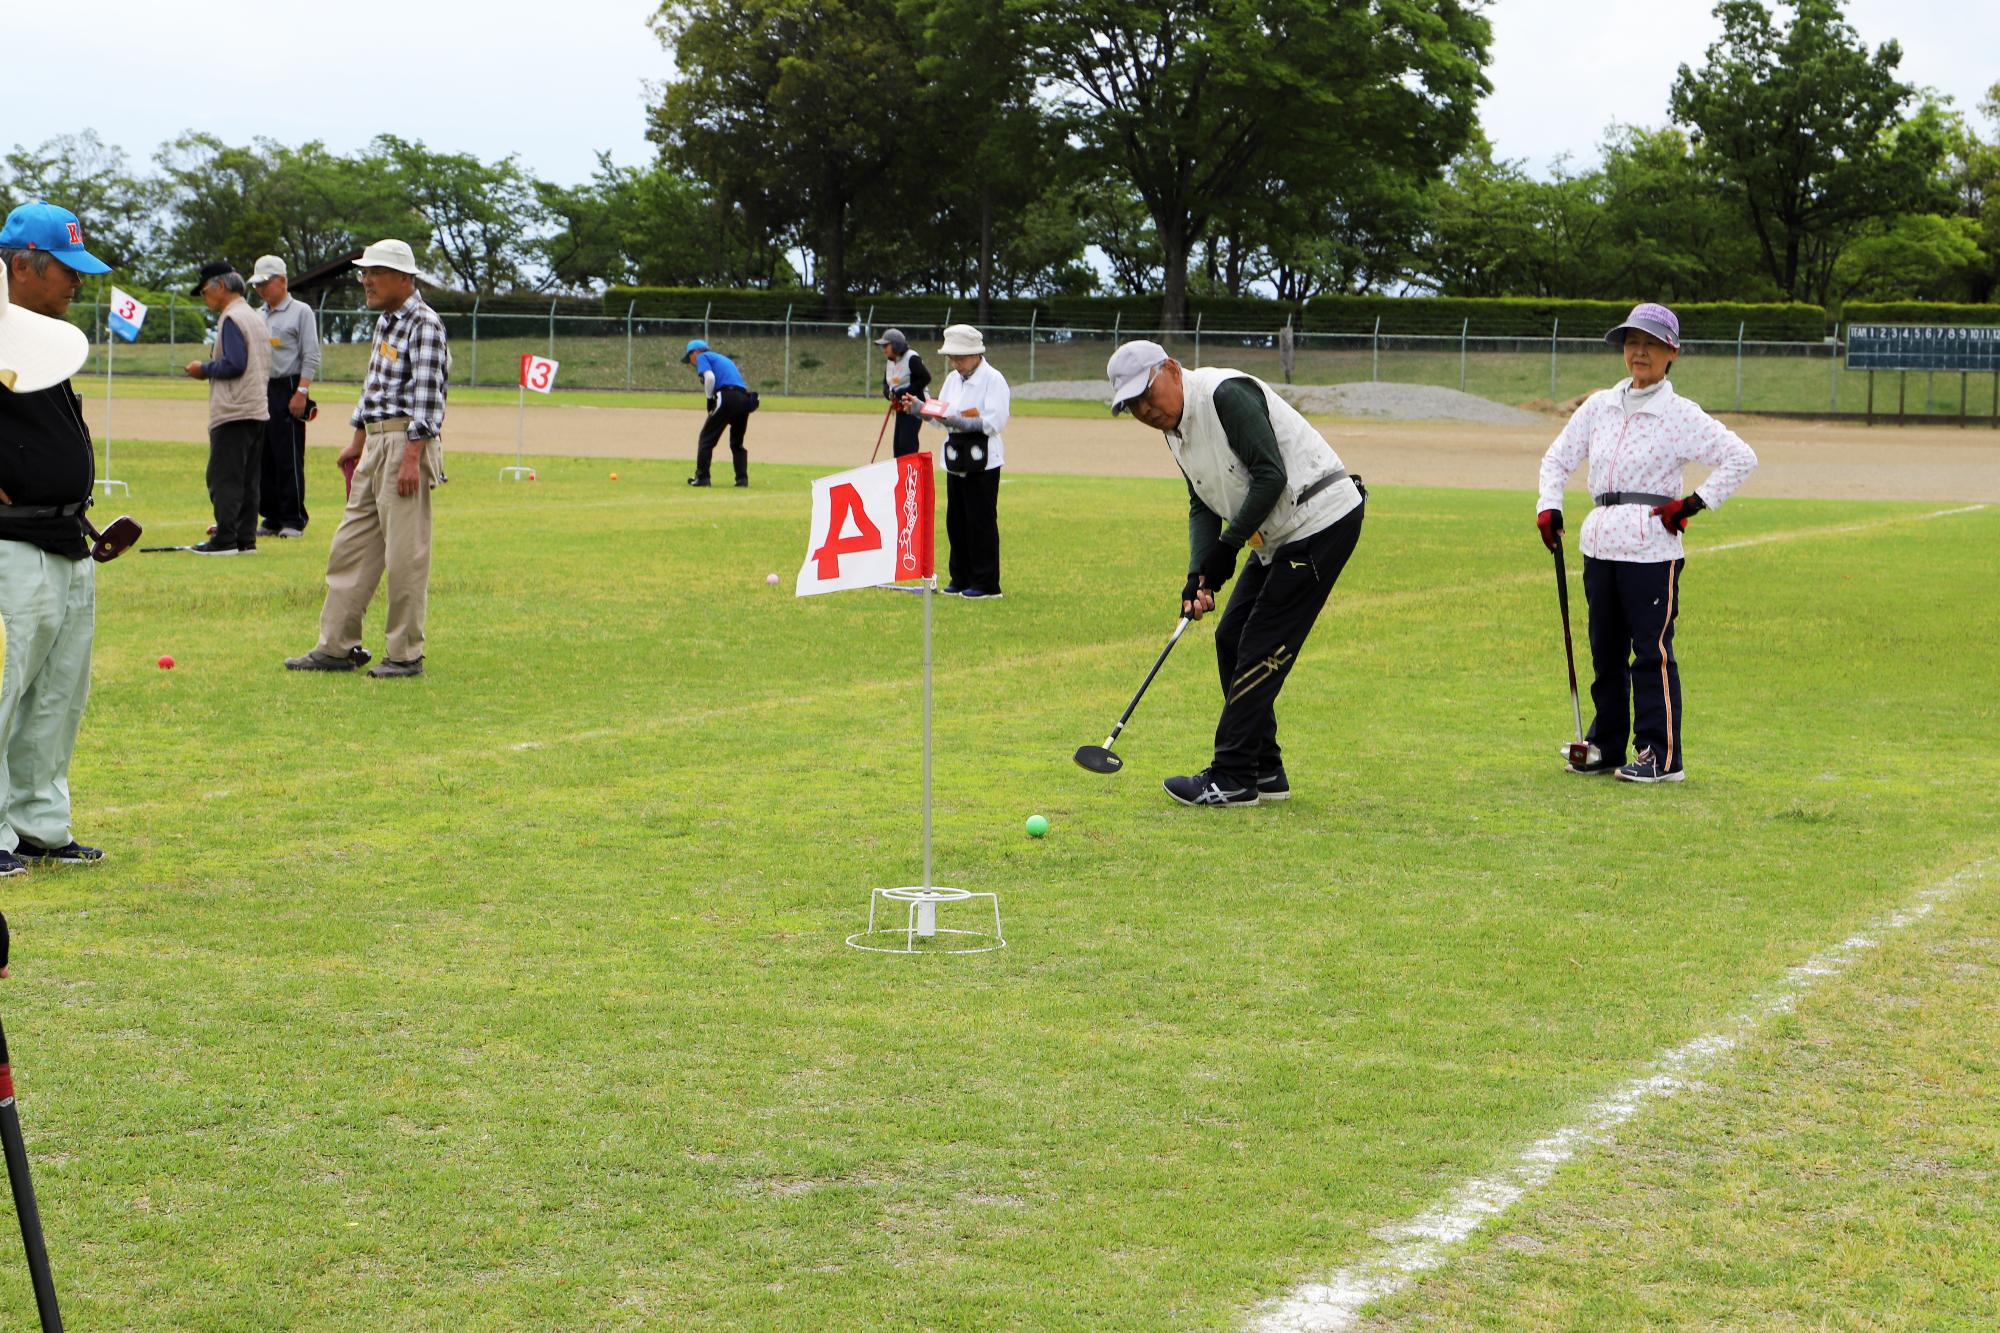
x,y
732,409
1260,637
282,498
972,522
1632,612
907,429
233,475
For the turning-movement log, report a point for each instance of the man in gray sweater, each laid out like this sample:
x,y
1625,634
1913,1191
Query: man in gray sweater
x,y
238,376
294,367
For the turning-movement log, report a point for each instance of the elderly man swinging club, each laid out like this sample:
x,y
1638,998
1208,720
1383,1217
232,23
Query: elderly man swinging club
x,y
1260,476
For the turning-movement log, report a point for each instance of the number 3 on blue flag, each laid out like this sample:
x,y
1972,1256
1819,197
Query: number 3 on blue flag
x,y
127,315
870,526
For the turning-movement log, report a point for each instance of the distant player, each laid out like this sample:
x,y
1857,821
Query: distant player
x,y
729,406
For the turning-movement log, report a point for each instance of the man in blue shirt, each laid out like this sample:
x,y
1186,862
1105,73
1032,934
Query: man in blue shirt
x,y
729,404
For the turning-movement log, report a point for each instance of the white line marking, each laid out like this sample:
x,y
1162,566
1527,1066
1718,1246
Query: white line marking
x,y
1427,1240
1844,527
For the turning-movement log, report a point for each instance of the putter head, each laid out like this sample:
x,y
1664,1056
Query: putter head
x,y
1579,753
1097,759
118,536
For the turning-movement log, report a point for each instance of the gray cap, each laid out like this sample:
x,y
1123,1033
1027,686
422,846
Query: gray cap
x,y
894,340
1131,370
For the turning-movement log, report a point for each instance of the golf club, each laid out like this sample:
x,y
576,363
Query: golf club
x,y
882,432
23,1185
1098,758
115,540
1579,752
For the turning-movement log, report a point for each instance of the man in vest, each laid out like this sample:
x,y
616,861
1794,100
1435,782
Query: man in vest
x,y
1258,476
238,378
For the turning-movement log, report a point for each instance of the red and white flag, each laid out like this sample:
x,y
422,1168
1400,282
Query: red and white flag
x,y
538,372
871,526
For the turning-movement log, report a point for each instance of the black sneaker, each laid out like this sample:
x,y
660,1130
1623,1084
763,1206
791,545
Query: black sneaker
x,y
359,656
697,481
1274,786
952,590
1208,788
390,667
743,481
72,854
1596,763
215,546
10,864
1646,768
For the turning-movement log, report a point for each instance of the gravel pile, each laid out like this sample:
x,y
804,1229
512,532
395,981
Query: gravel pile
x,y
1398,402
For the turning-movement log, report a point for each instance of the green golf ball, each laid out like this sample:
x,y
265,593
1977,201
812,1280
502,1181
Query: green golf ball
x,y
1037,826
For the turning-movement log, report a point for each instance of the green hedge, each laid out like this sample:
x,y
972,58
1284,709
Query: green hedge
x,y
1920,312
1533,317
1523,317
185,315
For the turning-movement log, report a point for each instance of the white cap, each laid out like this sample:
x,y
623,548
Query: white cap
x,y
963,340
36,352
268,266
1130,370
388,254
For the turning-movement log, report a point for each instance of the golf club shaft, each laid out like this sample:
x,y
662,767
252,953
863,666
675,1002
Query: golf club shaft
x,y
24,1198
1569,648
1179,630
882,432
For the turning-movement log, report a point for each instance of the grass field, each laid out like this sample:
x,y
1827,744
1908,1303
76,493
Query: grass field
x,y
835,365
515,997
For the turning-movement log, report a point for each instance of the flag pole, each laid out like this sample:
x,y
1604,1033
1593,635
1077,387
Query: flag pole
x,y
520,424
110,355
930,584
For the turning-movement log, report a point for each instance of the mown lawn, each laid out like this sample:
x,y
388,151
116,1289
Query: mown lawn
x,y
515,997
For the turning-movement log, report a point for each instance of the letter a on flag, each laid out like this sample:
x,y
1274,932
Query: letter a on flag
x,y
127,315
871,526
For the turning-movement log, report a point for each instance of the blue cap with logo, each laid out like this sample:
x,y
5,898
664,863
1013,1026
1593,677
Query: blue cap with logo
x,y
695,345
43,226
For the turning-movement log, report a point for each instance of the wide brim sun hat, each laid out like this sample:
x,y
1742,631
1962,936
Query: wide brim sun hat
x,y
36,352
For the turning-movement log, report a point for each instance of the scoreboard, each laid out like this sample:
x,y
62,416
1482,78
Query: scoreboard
x,y
1922,347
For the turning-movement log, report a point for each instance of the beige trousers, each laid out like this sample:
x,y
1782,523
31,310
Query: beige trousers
x,y
382,530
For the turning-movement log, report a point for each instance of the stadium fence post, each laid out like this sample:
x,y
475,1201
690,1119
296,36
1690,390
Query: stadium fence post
x,y
1375,352
1739,366
788,351
1034,316
1463,330
1554,326
475,340
630,306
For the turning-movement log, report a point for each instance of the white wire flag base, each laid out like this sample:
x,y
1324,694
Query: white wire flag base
x,y
920,931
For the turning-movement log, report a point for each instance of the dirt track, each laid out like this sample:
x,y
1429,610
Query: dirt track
x,y
1800,459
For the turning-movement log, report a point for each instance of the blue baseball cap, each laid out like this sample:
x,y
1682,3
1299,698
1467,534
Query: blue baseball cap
x,y
43,226
695,345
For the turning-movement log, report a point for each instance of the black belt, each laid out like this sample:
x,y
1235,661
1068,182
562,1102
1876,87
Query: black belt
x,y
44,511
1631,498
1338,474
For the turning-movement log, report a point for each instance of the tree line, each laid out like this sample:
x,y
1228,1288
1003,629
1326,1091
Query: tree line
x,y
1036,148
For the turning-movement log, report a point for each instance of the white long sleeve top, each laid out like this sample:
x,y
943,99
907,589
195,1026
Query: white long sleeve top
x,y
1640,442
985,390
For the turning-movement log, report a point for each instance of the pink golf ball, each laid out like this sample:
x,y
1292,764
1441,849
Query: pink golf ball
x,y
771,579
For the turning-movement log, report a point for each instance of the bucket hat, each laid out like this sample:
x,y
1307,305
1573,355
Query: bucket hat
x,y
389,254
36,352
963,340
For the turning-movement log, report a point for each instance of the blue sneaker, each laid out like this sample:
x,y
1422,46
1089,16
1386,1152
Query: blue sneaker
x,y
71,854
1647,768
971,594
10,864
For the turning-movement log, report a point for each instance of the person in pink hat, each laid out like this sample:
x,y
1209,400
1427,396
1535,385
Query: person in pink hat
x,y
1637,435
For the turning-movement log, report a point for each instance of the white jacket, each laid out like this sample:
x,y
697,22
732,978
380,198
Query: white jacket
x,y
987,392
1221,481
1644,452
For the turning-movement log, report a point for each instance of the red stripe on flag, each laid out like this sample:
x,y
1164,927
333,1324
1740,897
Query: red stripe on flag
x,y
916,517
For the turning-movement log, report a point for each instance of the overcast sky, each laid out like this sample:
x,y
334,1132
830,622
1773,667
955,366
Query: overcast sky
x,y
557,81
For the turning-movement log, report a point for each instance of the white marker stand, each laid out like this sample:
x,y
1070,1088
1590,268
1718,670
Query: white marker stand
x,y
520,469
923,901
107,482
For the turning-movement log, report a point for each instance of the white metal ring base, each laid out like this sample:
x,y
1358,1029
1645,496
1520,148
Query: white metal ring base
x,y
107,483
517,473
920,931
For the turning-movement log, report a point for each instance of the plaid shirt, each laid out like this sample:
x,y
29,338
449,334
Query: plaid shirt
x,y
407,370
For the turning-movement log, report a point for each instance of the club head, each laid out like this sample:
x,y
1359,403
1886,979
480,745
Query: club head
x,y
1097,759
1579,754
117,537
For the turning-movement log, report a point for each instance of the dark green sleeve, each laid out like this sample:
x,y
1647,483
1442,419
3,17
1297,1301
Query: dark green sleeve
x,y
1246,421
1204,526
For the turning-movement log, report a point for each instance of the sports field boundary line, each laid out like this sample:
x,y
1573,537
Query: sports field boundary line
x,y
1429,1240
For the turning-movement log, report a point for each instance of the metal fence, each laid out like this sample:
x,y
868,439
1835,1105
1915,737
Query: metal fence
x,y
807,357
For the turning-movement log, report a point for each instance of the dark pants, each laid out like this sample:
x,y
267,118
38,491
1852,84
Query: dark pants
x,y
283,495
233,473
1632,612
1260,637
732,409
907,429
972,522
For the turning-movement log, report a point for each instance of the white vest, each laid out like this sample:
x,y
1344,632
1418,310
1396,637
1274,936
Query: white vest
x,y
1221,481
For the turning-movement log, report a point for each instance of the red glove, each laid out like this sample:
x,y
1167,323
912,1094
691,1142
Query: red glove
x,y
1676,513
1550,521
